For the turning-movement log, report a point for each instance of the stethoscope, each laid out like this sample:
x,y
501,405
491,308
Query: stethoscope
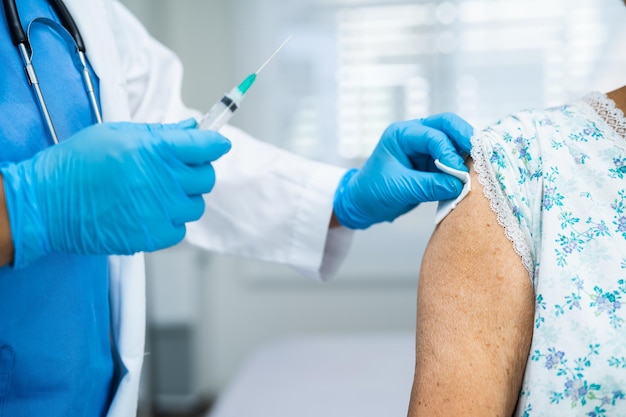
x,y
67,30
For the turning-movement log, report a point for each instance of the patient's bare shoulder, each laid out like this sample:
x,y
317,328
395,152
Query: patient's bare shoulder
x,y
475,315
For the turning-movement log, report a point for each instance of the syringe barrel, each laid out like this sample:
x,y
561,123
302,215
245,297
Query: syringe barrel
x,y
219,114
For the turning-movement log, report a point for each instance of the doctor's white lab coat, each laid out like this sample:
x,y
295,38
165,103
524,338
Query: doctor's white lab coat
x,y
267,204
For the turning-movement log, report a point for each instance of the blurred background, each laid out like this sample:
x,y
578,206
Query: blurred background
x,y
352,67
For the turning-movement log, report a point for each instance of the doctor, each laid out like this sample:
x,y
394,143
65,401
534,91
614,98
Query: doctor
x,y
73,314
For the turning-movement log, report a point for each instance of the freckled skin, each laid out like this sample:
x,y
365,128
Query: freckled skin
x,y
474,319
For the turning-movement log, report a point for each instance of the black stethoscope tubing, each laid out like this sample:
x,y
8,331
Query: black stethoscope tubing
x,y
20,40
17,31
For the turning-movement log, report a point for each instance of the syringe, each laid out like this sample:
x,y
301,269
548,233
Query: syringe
x,y
223,110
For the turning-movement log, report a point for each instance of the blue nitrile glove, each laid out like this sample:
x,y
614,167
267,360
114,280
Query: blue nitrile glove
x,y
114,188
455,128
400,173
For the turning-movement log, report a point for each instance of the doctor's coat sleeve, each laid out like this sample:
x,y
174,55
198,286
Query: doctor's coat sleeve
x,y
268,204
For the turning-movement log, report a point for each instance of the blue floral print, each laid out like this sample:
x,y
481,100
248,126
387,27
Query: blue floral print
x,y
620,168
576,240
619,219
557,181
576,389
609,303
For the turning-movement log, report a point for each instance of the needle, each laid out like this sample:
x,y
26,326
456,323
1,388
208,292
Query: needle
x,y
274,54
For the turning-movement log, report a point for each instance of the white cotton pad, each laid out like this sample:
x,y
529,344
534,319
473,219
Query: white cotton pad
x,y
446,206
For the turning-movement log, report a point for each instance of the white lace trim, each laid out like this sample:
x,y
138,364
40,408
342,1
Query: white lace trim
x,y
608,111
499,204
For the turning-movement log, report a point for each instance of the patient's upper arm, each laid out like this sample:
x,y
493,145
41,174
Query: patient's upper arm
x,y
475,315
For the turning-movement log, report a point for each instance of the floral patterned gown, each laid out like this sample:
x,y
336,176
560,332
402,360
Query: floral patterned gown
x,y
556,179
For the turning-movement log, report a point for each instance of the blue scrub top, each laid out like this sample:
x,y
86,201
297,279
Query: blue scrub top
x,y
55,346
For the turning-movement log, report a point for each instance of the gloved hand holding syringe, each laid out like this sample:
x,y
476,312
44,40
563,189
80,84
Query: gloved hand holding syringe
x,y
223,110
